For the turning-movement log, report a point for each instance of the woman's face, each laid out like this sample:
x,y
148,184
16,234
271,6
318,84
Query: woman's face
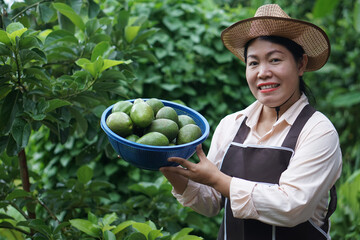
x,y
273,74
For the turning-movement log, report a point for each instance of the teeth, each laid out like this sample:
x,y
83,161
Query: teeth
x,y
268,86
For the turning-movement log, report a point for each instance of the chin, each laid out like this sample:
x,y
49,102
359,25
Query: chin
x,y
269,102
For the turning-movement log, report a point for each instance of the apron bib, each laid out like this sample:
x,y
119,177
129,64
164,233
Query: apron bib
x,y
265,164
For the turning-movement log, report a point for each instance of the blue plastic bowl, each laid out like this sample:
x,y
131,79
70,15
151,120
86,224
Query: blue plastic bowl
x,y
153,157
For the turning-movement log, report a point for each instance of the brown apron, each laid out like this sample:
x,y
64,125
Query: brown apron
x,y
266,164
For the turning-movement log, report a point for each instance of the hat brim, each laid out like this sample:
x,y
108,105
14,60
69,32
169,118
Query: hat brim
x,y
313,39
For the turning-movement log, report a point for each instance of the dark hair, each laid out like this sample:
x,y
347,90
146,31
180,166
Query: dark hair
x,y
296,50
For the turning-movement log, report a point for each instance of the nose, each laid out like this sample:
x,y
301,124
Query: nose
x,y
264,71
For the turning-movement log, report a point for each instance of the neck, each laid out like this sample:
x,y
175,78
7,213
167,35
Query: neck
x,y
272,113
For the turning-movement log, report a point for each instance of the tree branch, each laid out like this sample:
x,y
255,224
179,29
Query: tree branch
x,y
27,8
25,177
48,210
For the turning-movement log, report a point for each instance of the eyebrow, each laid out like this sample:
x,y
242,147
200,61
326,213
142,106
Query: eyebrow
x,y
267,55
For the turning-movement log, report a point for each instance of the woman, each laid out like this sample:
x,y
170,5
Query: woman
x,y
273,164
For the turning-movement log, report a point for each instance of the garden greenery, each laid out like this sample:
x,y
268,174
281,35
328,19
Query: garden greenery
x,y
63,62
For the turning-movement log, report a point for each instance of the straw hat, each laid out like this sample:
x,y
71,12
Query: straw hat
x,y
269,20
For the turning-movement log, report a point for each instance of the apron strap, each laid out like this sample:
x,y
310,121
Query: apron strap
x,y
331,208
292,136
242,132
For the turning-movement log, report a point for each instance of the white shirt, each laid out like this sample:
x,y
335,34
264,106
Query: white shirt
x,y
302,192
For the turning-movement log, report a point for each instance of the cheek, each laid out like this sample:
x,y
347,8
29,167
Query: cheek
x,y
251,80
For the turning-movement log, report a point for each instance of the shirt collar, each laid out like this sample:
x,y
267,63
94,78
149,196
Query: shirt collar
x,y
253,112
292,113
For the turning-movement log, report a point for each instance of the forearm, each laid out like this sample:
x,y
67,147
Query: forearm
x,y
201,198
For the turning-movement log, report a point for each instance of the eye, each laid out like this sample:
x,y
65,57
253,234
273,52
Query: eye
x,y
275,60
252,63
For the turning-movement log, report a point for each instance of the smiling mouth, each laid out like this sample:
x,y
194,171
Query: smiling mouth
x,y
270,86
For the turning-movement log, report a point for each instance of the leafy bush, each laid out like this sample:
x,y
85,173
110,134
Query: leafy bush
x,y
346,219
193,64
62,63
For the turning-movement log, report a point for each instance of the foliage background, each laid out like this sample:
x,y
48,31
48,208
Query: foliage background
x,y
171,50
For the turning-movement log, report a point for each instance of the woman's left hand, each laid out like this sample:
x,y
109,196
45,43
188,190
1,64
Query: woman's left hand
x,y
204,172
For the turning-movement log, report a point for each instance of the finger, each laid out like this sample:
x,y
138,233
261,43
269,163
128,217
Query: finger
x,y
200,153
175,170
164,169
183,162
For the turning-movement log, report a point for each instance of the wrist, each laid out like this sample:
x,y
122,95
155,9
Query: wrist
x,y
222,184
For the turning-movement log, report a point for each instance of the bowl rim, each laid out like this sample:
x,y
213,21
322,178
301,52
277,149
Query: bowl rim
x,y
118,138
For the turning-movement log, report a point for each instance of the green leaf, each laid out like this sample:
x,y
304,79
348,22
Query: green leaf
x,y
14,27
29,42
92,218
3,143
40,74
122,226
137,236
169,86
59,36
94,68
36,110
146,54
12,149
347,99
81,122
84,174
153,234
122,19
40,226
56,103
61,226
95,185
67,11
131,32
109,235
324,7
4,38
109,218
142,227
86,226
190,237
4,51
108,63
183,232
99,50
27,55
21,131
350,191
91,27
144,35
17,193
46,13
356,15
5,216
94,9
17,33
5,70
8,111
148,188
112,75
6,224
